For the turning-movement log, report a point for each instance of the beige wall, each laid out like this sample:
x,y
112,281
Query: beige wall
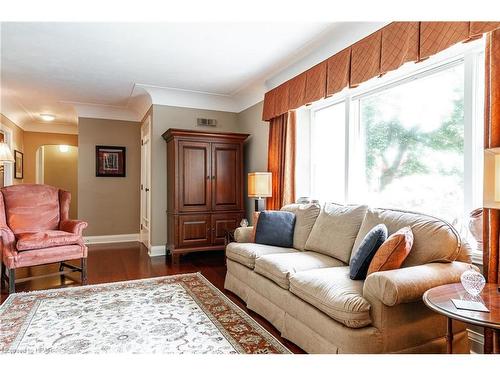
x,y
250,121
33,141
109,204
17,138
60,169
163,118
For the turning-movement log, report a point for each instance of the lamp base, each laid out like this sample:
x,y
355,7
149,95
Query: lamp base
x,y
260,205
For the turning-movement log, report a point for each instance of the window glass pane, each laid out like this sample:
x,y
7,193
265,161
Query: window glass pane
x,y
328,154
413,145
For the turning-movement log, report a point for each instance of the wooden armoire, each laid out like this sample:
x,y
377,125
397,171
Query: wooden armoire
x,y
204,189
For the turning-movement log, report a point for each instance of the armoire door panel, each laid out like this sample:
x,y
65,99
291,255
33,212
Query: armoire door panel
x,y
226,176
194,230
221,223
194,176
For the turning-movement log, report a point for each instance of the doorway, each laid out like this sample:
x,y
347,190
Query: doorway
x,y
145,220
57,165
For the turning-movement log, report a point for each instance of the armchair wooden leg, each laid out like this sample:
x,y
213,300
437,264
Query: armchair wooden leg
x,y
12,280
2,274
84,271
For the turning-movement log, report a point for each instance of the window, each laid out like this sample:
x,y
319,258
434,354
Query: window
x,y
328,133
410,140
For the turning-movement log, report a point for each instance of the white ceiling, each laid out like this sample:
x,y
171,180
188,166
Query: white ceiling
x,y
73,69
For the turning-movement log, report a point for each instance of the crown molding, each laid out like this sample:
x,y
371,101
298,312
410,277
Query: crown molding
x,y
189,98
109,112
143,96
51,128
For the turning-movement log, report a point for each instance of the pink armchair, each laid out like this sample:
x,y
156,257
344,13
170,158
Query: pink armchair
x,y
35,230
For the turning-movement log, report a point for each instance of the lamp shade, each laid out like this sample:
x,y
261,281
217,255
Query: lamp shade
x,y
491,186
260,184
5,153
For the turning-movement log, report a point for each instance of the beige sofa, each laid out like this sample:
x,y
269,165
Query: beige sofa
x,y
306,292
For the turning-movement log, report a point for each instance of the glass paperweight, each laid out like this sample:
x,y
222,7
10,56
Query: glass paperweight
x,y
244,223
473,282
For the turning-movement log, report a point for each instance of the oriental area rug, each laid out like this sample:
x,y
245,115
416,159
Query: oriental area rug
x,y
172,315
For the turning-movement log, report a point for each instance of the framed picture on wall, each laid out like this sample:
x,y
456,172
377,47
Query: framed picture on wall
x,y
18,164
110,161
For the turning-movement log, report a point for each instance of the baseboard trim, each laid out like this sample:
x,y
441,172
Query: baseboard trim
x,y
157,251
477,341
112,238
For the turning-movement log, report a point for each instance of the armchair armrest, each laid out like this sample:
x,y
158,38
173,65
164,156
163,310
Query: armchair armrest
x,y
73,226
7,235
409,284
243,234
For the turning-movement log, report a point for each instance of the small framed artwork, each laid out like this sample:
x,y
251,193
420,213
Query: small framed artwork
x,y
110,161
18,164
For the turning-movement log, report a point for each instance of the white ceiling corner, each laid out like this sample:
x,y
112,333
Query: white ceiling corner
x,y
117,70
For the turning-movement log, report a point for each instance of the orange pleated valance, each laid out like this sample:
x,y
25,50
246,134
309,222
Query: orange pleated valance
x,y
384,50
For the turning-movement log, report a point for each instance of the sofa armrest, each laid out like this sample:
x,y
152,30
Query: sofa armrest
x,y
73,226
409,284
243,234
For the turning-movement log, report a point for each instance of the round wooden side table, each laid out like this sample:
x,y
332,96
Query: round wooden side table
x,y
439,300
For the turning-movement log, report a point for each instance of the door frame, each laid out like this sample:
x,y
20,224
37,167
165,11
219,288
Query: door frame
x,y
145,174
8,168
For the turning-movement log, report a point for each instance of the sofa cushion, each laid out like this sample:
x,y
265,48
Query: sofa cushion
x,y
393,252
279,267
42,240
246,253
275,228
366,251
335,230
305,217
434,239
333,292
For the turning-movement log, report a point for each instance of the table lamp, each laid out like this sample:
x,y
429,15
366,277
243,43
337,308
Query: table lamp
x,y
260,186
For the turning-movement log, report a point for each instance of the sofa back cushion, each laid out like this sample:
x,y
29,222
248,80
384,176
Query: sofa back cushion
x,y
434,240
275,228
31,207
305,217
335,230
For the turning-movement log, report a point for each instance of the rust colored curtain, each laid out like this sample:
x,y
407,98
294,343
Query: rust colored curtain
x,y
365,59
491,217
281,160
384,50
315,83
338,70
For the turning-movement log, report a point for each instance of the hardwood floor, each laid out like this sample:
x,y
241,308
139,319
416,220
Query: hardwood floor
x,y
129,261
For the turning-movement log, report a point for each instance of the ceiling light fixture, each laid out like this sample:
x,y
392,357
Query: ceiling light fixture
x,y
63,148
47,117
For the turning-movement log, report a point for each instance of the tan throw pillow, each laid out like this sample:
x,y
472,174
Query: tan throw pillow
x,y
335,230
255,219
305,217
393,252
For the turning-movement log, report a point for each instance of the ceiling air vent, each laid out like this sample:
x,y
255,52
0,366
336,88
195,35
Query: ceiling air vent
x,y
207,122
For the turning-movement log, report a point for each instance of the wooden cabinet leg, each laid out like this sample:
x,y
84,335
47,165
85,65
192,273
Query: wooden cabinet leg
x,y
175,258
449,336
496,341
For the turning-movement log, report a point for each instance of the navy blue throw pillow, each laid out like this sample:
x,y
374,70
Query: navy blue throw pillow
x,y
366,251
275,228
